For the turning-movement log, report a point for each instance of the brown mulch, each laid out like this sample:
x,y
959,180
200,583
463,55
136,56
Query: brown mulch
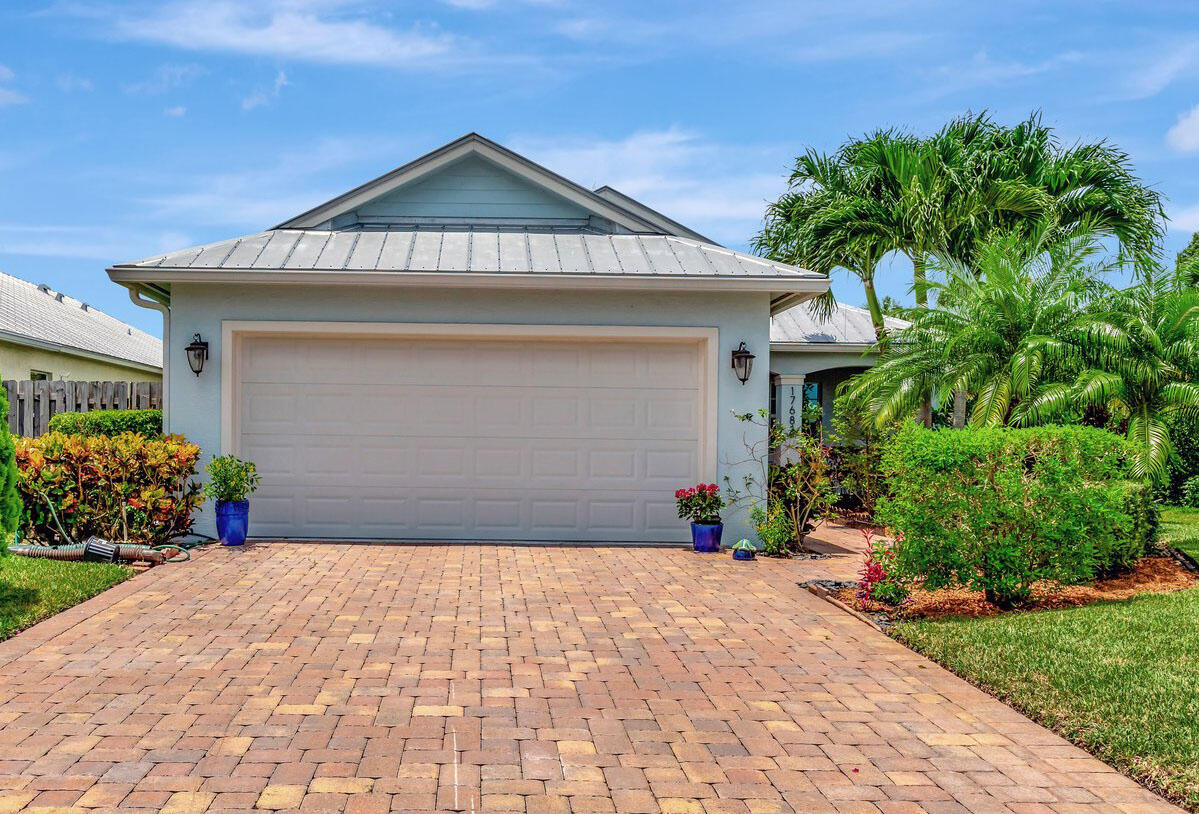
x,y
1152,575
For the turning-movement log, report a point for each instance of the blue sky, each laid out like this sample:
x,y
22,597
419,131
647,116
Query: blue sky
x,y
129,128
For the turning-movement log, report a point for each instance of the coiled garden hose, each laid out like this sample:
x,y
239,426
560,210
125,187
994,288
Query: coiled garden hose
x,y
155,555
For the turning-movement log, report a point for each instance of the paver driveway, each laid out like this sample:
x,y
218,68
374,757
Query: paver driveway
x,y
376,678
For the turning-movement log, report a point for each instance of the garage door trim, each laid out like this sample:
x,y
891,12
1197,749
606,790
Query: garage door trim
x,y
234,331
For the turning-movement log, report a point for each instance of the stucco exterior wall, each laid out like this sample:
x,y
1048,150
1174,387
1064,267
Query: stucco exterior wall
x,y
16,361
195,402
794,363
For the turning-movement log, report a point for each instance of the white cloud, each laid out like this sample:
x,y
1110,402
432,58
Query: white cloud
x,y
70,83
264,96
294,182
111,244
323,31
166,77
717,189
8,96
1185,218
479,5
1184,135
1158,69
821,32
175,112
984,71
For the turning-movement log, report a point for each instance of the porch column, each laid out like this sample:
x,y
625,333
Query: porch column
x,y
790,400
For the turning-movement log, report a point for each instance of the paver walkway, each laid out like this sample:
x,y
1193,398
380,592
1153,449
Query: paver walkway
x,y
502,679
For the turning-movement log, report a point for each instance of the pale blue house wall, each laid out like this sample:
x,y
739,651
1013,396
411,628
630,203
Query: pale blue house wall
x,y
195,402
472,188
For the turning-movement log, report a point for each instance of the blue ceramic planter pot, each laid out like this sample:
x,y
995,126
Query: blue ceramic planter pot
x,y
743,554
232,521
705,537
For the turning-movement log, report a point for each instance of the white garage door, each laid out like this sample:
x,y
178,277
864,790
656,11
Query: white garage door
x,y
483,439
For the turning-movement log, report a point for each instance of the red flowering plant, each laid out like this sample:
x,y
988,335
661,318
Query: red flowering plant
x,y
702,503
878,579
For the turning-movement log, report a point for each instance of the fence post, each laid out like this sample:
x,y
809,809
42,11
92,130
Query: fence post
x,y
10,391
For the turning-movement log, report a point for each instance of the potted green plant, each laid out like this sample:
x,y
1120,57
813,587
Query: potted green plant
x,y
744,550
702,503
231,481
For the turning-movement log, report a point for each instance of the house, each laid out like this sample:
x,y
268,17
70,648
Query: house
x,y
471,347
45,334
810,357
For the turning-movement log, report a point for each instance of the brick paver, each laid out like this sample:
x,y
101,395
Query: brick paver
x,y
478,678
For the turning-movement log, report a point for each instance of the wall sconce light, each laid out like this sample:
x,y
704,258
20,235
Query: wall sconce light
x,y
743,362
197,354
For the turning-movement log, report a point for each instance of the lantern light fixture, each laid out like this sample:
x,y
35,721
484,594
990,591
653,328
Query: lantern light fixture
x,y
743,362
197,354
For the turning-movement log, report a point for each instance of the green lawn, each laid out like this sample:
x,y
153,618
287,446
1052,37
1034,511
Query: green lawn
x,y
1120,678
31,590
1180,528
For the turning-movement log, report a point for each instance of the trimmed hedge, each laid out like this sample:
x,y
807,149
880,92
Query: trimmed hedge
x,y
996,510
125,487
109,422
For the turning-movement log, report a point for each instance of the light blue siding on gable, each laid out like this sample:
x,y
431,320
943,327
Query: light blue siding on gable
x,y
471,188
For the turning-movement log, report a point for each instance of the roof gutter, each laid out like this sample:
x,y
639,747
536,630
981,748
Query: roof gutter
x,y
863,348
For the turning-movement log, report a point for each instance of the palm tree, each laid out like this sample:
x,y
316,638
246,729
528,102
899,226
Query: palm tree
x,y
1091,184
1139,367
950,193
1186,265
1001,330
801,227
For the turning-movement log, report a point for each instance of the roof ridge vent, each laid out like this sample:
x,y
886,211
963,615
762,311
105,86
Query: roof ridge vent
x,y
58,296
83,306
42,287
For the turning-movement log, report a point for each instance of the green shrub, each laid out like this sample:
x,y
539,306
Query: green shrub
x,y
996,510
125,487
109,422
1190,490
784,500
858,451
1183,464
10,500
1135,527
231,478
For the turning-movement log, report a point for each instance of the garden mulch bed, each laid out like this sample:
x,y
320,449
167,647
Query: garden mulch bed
x,y
1152,575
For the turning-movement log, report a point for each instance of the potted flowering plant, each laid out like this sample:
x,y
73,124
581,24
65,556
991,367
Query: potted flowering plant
x,y
702,504
231,481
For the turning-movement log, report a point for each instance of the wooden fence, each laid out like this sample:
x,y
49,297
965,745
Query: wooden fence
x,y
32,403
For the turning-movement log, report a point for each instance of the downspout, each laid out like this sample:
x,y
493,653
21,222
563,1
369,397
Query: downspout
x,y
164,308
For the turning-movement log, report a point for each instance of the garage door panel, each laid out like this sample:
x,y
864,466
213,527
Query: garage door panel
x,y
483,439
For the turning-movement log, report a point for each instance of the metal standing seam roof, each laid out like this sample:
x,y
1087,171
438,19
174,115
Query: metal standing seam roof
x,y
46,316
848,325
484,251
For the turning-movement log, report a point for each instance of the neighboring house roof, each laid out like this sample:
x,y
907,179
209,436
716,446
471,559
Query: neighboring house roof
x,y
473,213
37,316
849,327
